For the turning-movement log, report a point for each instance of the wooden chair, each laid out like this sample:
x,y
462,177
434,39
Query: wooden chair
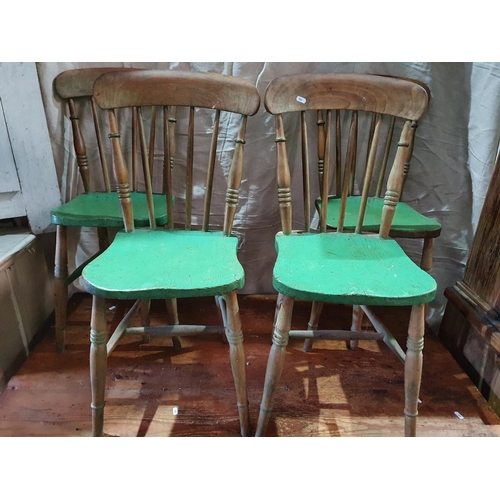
x,y
407,223
337,266
98,205
169,263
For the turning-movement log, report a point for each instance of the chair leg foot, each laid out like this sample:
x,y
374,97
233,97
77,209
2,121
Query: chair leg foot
x,y
61,287
98,363
316,309
173,319
275,363
413,367
238,361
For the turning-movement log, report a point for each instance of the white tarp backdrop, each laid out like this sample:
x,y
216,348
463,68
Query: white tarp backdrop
x,y
455,149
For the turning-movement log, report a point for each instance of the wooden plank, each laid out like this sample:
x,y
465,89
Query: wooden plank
x,y
29,137
330,391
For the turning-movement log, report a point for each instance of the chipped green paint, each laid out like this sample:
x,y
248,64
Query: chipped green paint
x,y
347,268
103,210
160,264
406,219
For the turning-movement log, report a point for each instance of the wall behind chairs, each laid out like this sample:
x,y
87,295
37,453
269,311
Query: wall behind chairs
x,y
454,154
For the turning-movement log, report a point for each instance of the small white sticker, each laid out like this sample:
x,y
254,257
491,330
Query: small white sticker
x,y
301,99
420,401
175,410
461,417
112,308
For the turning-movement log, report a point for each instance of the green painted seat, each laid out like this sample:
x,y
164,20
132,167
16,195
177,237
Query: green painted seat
x,y
103,210
406,220
347,268
183,264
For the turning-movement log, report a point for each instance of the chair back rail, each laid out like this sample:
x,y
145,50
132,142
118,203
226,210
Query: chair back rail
x,y
170,90
384,99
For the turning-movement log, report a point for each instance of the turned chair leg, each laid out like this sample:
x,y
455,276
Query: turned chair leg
x,y
221,310
316,309
279,301
61,286
145,320
173,319
357,321
426,261
275,363
238,361
98,363
102,236
413,367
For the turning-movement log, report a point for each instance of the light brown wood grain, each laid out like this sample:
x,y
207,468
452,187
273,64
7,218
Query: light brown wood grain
x,y
283,176
370,164
395,181
327,171
210,172
376,94
234,178
385,158
180,88
79,82
189,170
321,147
348,173
305,171
121,173
79,145
100,146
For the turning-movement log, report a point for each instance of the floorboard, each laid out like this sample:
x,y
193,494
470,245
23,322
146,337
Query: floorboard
x,y
330,391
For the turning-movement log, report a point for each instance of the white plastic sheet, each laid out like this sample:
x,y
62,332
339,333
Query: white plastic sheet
x,y
453,160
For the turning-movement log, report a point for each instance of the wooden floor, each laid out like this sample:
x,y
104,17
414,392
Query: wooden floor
x,y
330,391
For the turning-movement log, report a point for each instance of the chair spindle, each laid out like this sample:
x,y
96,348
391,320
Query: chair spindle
x,y
80,147
210,172
348,170
338,154
121,173
326,175
234,178
305,172
354,155
372,153
321,148
414,126
284,178
134,149
385,158
152,137
395,181
146,170
102,156
168,160
189,169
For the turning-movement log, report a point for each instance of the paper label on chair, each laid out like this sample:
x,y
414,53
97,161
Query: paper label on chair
x,y
300,99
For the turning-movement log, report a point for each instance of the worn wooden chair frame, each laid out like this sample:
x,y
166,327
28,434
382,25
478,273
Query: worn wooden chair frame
x,y
74,86
171,89
378,95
